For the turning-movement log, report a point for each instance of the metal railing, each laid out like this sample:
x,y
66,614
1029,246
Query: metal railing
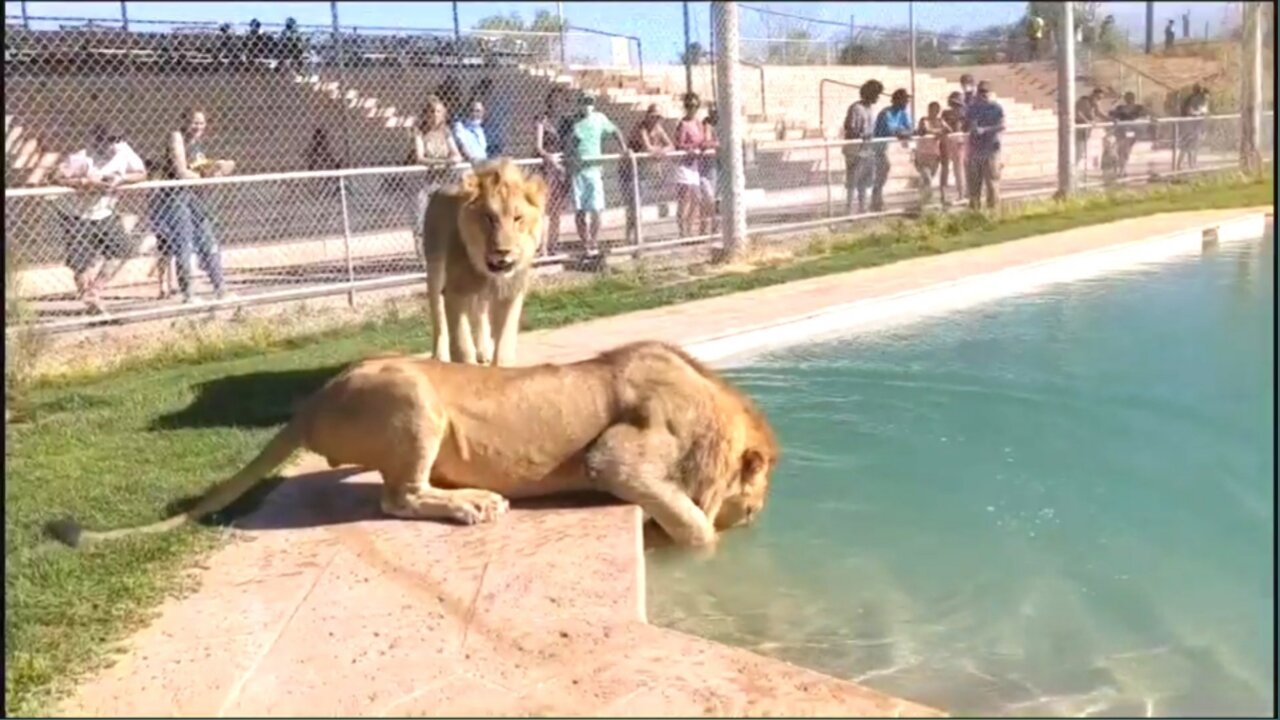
x,y
390,249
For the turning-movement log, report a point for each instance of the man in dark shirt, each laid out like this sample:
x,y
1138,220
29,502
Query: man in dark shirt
x,y
1126,112
985,120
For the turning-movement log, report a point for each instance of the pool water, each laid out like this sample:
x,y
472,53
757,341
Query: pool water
x,y
1058,503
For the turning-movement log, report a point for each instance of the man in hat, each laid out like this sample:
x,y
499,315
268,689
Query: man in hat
x,y
584,146
892,122
985,120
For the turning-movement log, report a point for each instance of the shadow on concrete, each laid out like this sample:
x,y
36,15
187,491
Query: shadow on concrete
x,y
259,399
340,496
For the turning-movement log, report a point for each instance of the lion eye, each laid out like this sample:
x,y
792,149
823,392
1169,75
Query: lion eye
x,y
519,218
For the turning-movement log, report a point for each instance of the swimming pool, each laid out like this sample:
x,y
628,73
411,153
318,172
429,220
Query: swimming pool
x,y
1057,503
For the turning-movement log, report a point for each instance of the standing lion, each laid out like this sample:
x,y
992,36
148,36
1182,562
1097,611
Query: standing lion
x,y
479,239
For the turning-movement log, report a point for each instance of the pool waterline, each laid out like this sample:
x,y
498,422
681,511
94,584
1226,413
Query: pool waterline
x,y
781,620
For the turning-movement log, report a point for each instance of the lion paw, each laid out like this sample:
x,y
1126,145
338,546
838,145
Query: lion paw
x,y
471,507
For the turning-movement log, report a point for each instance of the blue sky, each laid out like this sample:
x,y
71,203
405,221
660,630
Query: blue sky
x,y
659,25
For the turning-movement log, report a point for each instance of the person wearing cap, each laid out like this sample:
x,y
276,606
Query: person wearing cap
x,y
985,120
859,160
892,122
1087,113
953,146
1129,111
90,225
585,143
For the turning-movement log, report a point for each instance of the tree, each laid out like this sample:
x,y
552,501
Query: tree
x,y
695,54
541,42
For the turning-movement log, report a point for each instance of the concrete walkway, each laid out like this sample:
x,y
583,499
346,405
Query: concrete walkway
x,y
319,606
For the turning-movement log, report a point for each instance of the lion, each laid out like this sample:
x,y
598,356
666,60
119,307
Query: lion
x,y
479,239
644,422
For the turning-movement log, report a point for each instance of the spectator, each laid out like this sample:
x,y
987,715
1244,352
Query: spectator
x,y
985,120
967,88
1035,32
953,146
933,131
1190,133
1087,113
434,147
1169,36
497,117
859,161
451,94
470,135
710,169
181,214
320,152
90,224
549,134
1126,135
892,122
648,136
586,144
689,140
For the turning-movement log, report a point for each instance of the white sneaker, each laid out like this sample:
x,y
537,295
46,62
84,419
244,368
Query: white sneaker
x,y
192,300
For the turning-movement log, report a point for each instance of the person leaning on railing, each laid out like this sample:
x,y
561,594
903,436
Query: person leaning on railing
x,y
892,122
647,136
710,168
433,146
932,132
90,224
548,143
181,214
985,120
953,146
859,163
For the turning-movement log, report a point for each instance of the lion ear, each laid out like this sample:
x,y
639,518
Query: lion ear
x,y
535,191
469,186
753,464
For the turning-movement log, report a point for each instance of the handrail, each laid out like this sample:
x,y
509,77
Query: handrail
x,y
1134,68
822,99
764,104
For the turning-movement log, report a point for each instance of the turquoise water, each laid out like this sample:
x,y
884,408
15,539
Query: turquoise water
x,y
1059,503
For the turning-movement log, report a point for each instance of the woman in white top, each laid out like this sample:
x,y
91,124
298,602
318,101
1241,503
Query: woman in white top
x,y
433,146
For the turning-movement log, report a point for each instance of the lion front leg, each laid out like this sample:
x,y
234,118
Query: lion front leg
x,y
436,306
483,328
635,465
462,343
506,320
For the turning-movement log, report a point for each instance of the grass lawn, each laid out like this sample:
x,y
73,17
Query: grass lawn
x,y
121,448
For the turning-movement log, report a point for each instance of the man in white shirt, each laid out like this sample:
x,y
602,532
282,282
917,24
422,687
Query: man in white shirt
x,y
90,225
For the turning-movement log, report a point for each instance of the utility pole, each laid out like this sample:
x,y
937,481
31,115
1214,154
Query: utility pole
x,y
1066,103
733,184
560,24
911,23
688,59
1151,26
124,14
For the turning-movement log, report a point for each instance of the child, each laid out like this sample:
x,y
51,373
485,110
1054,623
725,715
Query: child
x,y
932,130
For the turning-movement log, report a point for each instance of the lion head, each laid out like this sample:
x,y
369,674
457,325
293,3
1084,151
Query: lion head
x,y
501,218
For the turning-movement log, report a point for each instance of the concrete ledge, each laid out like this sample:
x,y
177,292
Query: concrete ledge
x,y
323,606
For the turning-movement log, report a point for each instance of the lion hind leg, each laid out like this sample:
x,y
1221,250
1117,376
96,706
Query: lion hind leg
x,y
636,466
407,493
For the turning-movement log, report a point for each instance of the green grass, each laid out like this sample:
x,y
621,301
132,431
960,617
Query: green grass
x,y
121,448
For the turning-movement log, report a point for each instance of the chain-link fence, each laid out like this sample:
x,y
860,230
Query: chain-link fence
x,y
338,133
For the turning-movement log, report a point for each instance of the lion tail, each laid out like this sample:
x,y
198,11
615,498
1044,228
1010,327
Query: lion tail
x,y
278,450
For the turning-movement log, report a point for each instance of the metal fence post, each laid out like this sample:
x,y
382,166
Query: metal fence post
x,y
124,15
1066,102
343,84
724,15
1173,154
346,242
635,203
1251,90
911,56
